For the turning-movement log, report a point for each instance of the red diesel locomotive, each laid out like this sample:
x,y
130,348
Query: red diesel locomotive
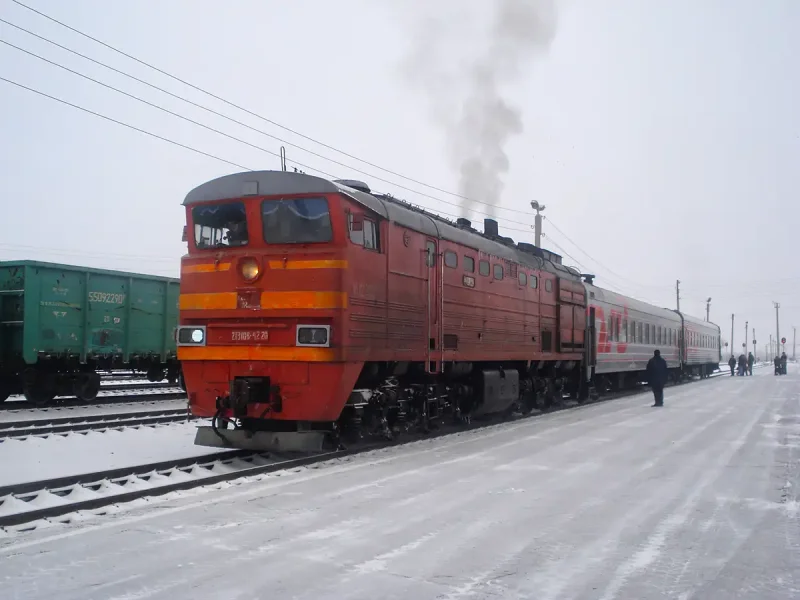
x,y
312,308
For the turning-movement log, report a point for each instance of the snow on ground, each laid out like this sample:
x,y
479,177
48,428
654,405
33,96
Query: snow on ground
x,y
61,412
616,500
35,458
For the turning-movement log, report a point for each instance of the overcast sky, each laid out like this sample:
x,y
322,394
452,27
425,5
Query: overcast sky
x,y
663,135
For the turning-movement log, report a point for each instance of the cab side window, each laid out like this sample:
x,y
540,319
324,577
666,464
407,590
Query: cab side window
x,y
363,231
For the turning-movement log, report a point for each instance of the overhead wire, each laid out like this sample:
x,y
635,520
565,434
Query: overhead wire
x,y
224,134
265,119
128,125
231,119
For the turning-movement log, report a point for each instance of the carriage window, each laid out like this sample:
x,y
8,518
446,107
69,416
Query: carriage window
x,y
297,221
639,337
534,282
548,285
220,225
498,272
469,264
483,268
450,259
523,279
625,331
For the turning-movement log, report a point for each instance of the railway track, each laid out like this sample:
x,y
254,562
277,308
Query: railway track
x,y
55,499
85,423
137,394
144,385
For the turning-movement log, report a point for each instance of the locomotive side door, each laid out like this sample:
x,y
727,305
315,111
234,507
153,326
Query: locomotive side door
x,y
432,271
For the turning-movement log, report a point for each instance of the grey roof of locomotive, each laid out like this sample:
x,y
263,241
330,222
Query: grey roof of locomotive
x,y
276,183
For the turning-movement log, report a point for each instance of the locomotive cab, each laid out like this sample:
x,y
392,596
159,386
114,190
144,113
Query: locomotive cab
x,y
262,304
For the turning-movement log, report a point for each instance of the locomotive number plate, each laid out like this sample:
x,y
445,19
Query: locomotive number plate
x,y
248,336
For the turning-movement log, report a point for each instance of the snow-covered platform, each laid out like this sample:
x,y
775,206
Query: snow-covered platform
x,y
616,500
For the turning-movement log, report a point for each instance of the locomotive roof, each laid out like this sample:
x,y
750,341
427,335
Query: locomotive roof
x,y
277,183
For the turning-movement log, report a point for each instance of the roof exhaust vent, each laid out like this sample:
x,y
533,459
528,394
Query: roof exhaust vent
x,y
464,223
490,228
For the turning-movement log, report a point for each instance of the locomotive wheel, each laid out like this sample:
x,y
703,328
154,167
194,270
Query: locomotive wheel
x,y
86,386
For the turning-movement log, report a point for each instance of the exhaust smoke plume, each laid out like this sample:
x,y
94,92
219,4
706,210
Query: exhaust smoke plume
x,y
466,95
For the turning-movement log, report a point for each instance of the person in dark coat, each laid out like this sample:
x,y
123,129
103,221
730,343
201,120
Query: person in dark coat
x,y
732,365
750,360
783,363
777,362
657,374
742,364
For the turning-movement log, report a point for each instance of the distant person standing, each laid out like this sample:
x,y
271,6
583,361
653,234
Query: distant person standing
x,y
750,360
777,362
732,365
784,358
742,365
657,373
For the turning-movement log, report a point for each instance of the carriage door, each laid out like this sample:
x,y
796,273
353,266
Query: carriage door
x,y
432,276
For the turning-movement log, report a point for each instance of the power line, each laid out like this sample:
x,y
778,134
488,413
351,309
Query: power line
x,y
233,120
275,123
270,121
631,282
129,126
212,129
159,107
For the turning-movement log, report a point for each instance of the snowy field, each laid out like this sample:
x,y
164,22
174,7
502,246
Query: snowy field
x,y
614,500
37,458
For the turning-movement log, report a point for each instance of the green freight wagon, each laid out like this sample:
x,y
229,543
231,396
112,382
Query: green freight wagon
x,y
61,324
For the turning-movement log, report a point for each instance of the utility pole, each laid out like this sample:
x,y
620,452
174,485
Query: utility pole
x,y
733,349
769,352
777,328
755,350
708,309
537,222
678,293
746,323
794,343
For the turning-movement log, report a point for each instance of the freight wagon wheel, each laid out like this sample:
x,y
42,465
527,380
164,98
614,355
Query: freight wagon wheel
x,y
155,374
39,394
38,387
86,386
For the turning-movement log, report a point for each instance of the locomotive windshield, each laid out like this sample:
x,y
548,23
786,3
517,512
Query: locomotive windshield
x,y
296,221
220,225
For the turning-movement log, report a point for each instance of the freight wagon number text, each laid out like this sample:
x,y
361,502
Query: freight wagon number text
x,y
106,298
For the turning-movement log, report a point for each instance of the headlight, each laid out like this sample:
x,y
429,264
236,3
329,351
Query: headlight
x,y
314,335
249,268
192,335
